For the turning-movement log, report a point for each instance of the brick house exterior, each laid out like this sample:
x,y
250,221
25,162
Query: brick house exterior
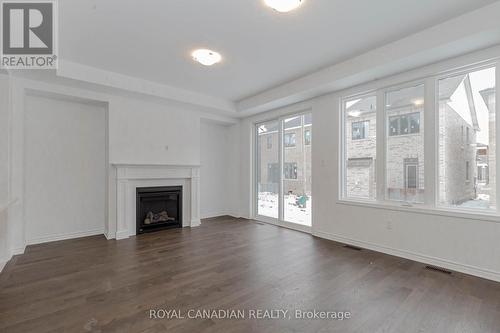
x,y
489,98
405,146
297,142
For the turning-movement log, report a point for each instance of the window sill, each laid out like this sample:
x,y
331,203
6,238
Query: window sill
x,y
404,135
489,215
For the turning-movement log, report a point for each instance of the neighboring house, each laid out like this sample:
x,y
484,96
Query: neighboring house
x,y
457,141
361,155
405,146
489,98
297,139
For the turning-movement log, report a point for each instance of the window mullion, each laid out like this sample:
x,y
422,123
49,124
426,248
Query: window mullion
x,y
281,148
381,146
497,131
431,131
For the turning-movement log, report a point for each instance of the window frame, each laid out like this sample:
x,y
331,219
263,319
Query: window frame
x,y
307,138
366,129
431,144
291,167
292,135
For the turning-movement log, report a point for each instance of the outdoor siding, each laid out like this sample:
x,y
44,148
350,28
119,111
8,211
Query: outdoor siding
x,y
454,150
295,154
401,147
360,174
489,98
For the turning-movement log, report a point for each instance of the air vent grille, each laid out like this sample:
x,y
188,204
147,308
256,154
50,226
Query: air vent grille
x,y
438,269
352,247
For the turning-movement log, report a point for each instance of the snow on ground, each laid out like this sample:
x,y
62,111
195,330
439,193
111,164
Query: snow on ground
x,y
482,201
268,206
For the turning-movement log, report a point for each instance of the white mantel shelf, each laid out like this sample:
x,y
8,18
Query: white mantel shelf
x,y
131,176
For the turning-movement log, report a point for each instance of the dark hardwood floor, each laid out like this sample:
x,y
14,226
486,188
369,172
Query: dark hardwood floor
x,y
94,285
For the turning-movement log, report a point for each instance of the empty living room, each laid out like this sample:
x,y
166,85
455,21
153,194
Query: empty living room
x,y
258,166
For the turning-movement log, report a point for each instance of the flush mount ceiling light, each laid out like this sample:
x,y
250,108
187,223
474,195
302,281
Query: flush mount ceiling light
x,y
206,57
283,6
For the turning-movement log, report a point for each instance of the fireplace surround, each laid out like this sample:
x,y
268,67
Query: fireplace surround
x,y
127,178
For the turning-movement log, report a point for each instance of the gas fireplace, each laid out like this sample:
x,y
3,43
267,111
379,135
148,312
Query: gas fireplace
x,y
158,208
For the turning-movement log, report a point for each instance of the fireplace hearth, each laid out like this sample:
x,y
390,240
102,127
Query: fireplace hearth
x,y
158,208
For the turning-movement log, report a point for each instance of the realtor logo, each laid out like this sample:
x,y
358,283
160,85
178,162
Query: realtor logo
x,y
28,35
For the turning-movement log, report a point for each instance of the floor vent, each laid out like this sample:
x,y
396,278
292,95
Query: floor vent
x,y
352,247
438,269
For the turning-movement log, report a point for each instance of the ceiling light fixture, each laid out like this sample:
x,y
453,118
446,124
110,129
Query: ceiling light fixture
x,y
206,57
283,6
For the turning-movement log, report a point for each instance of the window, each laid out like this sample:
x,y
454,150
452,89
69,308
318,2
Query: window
x,y
467,102
460,138
290,170
289,140
307,137
405,153
360,129
284,176
360,118
404,124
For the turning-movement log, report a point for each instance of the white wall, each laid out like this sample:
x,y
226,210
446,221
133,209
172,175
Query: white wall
x,y
4,162
65,169
470,245
218,170
140,132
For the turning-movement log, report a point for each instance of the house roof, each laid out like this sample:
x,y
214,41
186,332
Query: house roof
x,y
485,94
293,122
362,106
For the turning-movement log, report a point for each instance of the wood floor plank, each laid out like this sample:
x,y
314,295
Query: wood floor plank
x,y
95,285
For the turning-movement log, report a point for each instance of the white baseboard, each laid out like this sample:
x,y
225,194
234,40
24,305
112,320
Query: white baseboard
x,y
124,234
3,262
454,266
17,250
58,237
213,214
195,223
12,252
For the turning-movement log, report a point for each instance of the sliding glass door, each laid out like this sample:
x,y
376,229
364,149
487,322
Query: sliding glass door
x,y
283,169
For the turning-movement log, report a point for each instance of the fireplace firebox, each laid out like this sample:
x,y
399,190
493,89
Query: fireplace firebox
x,y
158,208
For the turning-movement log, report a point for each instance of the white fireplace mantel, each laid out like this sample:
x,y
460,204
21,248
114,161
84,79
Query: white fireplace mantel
x,y
128,177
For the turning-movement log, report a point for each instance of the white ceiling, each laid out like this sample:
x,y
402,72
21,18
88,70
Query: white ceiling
x,y
261,48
